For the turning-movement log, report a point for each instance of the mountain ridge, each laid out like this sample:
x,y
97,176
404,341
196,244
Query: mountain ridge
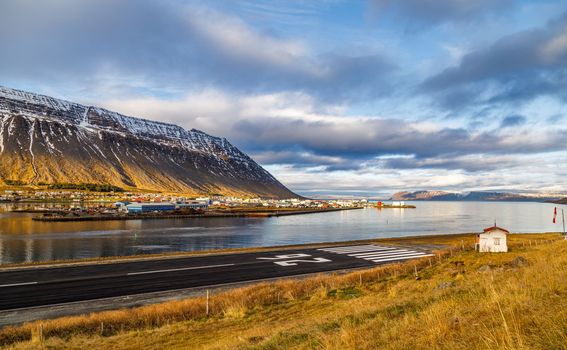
x,y
44,139
467,196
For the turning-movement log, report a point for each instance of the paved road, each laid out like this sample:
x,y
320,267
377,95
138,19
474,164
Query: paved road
x,y
49,286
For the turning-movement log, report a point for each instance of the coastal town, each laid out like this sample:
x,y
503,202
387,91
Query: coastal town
x,y
74,205
65,196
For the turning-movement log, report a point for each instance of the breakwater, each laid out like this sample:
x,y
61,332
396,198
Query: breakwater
x,y
154,216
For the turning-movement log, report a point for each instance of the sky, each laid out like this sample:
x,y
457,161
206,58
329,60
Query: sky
x,y
333,97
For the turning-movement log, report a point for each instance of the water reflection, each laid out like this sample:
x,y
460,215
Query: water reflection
x,y
22,239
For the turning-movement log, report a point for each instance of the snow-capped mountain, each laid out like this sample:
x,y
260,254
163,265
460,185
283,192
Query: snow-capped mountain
x,y
47,140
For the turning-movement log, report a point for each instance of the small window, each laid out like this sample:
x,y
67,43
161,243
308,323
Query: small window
x,y
496,241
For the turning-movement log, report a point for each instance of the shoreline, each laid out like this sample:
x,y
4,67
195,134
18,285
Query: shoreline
x,y
437,241
275,213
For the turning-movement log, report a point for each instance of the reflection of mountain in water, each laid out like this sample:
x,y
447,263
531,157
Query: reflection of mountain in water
x,y
22,239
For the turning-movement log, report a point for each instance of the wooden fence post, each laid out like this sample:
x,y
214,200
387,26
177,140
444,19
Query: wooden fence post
x,y
207,302
36,334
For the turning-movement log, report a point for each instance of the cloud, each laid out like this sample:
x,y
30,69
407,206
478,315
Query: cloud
x,y
420,13
301,159
527,173
292,129
517,67
153,47
513,120
469,163
370,137
327,103
556,118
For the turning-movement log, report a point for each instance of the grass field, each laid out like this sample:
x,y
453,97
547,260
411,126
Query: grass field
x,y
459,300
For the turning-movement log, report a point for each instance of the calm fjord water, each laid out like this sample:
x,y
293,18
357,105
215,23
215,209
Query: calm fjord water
x,y
23,240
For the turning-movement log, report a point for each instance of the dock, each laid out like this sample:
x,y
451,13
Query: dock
x,y
212,214
405,206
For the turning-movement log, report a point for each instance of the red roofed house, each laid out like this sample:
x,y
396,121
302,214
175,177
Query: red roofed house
x,y
492,240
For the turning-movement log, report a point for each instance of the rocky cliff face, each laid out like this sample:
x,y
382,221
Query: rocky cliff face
x,y
43,139
424,195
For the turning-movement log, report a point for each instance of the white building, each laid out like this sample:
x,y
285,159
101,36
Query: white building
x,y
197,204
492,240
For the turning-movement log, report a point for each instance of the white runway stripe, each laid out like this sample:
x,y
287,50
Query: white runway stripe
x,y
352,246
353,251
393,252
348,249
369,250
402,258
17,284
377,254
392,255
389,251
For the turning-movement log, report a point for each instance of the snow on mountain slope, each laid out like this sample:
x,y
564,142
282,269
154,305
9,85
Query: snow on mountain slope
x,y
43,139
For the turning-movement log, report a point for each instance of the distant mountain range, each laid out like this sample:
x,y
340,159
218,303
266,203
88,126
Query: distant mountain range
x,y
47,140
467,196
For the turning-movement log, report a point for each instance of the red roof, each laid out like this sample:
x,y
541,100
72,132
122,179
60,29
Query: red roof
x,y
493,228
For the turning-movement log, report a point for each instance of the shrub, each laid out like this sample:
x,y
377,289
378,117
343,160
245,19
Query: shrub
x,y
85,187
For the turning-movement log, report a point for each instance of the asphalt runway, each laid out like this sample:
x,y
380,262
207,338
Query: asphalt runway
x,y
56,285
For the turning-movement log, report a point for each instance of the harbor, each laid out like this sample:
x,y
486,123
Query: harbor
x,y
23,239
394,205
169,215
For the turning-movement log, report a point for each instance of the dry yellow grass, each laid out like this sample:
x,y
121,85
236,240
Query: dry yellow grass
x,y
458,303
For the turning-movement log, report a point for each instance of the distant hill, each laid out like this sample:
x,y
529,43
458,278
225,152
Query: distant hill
x,y
44,140
467,196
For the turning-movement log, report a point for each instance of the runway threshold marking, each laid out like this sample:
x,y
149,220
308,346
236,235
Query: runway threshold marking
x,y
358,248
294,262
17,284
179,269
377,254
391,253
287,256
